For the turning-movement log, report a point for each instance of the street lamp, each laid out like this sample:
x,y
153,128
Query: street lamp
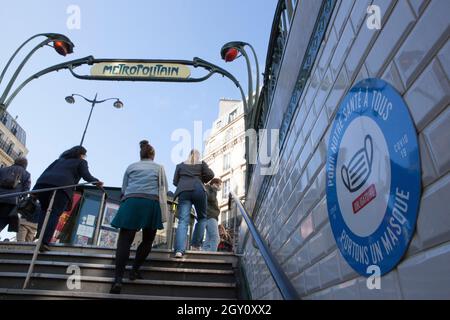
x,y
61,44
230,52
70,99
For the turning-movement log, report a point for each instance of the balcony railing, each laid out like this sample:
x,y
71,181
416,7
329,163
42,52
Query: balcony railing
x,y
11,124
8,149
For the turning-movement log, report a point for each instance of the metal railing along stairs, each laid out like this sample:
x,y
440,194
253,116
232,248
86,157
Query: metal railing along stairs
x,y
283,283
47,215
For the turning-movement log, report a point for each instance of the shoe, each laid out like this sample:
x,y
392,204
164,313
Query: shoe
x,y
196,248
179,255
116,287
135,274
44,248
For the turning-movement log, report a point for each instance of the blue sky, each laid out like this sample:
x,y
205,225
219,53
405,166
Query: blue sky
x,y
178,29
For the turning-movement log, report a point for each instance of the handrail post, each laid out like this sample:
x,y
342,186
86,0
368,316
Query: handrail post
x,y
234,230
41,237
100,218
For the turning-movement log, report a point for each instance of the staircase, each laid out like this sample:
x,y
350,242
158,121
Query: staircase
x,y
198,275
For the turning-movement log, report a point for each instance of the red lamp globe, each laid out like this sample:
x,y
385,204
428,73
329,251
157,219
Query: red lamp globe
x,y
62,47
231,54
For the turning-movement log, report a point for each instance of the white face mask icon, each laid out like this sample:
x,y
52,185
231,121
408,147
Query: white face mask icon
x,y
356,173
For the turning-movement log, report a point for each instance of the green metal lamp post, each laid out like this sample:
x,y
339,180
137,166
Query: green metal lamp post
x,y
229,52
61,44
70,99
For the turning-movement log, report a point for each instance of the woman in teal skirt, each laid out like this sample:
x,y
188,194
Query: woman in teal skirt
x,y
144,206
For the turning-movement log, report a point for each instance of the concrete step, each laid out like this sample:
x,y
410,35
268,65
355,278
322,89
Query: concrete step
x,y
107,270
58,282
31,294
154,260
156,253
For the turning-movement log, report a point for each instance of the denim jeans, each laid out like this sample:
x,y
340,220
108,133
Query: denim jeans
x,y
212,235
197,197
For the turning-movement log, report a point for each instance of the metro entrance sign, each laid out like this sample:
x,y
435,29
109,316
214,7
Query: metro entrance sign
x,y
145,70
161,70
373,177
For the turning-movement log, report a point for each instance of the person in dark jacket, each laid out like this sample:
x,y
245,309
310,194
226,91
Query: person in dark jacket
x,y
67,170
9,205
189,178
28,224
212,225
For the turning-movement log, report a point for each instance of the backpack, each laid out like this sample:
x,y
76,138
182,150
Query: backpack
x,y
10,177
27,207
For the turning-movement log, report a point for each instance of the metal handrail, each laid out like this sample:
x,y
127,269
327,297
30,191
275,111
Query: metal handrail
x,y
283,283
47,215
23,193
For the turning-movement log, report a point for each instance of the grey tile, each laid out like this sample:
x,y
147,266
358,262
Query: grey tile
x,y
392,34
437,135
428,171
429,94
444,59
418,6
433,30
426,276
433,222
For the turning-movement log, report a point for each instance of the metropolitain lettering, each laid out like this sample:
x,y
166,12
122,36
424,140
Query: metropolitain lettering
x,y
158,70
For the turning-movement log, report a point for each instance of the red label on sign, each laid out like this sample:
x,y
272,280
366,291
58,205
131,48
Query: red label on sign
x,y
364,199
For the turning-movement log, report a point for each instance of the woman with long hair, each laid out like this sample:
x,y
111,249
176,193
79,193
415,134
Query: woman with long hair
x,y
67,170
189,179
143,206
225,243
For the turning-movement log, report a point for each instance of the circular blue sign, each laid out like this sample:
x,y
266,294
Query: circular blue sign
x,y
373,177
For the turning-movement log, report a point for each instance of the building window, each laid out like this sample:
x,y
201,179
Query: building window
x,y
227,218
10,148
228,135
226,161
232,116
225,189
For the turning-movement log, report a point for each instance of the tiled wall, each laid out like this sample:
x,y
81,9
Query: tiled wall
x,y
412,52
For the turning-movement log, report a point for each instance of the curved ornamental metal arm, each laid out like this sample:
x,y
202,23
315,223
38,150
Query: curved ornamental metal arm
x,y
51,37
15,54
90,60
65,65
92,101
283,283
